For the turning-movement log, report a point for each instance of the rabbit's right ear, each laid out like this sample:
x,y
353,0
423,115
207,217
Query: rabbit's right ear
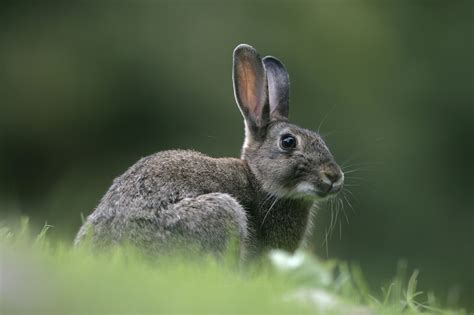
x,y
250,87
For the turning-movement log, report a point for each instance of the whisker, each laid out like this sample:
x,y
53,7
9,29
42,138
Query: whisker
x,y
345,215
353,170
342,206
345,164
333,224
352,158
327,134
348,202
266,214
365,164
332,216
327,244
356,177
267,199
358,165
348,191
340,230
325,117
344,210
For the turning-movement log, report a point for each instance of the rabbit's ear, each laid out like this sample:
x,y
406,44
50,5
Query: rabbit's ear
x,y
278,88
250,86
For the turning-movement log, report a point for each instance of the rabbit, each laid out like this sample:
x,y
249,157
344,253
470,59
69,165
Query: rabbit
x,y
264,200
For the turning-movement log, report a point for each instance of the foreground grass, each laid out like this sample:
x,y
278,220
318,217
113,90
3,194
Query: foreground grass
x,y
40,276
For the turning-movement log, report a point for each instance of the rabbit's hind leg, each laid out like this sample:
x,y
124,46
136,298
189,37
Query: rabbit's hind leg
x,y
209,223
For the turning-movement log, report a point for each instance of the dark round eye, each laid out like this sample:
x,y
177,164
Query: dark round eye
x,y
287,142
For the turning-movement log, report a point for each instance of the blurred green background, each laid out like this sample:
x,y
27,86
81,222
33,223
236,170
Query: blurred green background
x,y
87,88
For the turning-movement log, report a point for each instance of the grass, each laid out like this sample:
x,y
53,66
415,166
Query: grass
x,y
41,276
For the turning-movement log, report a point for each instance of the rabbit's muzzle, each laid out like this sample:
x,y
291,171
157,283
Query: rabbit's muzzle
x,y
331,179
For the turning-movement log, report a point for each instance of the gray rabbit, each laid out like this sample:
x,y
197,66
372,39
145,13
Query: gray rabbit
x,y
264,200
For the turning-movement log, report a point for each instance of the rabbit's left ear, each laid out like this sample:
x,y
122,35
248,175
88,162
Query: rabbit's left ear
x,y
278,88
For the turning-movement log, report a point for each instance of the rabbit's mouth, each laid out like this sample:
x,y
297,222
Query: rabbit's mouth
x,y
308,190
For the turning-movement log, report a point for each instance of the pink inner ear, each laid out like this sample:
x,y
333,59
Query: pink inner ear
x,y
250,89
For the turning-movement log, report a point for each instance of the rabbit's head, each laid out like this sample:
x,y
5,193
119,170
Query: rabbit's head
x,y
287,160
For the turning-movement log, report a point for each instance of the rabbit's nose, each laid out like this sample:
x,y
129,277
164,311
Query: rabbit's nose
x,y
333,177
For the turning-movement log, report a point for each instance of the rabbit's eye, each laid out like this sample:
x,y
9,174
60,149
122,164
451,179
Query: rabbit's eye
x,y
287,142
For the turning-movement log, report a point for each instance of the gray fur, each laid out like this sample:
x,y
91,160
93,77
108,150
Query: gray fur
x,y
278,87
264,200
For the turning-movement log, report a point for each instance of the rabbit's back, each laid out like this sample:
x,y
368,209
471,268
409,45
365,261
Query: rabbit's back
x,y
167,177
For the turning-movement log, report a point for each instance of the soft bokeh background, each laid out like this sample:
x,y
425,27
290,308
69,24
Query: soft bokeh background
x,y
86,89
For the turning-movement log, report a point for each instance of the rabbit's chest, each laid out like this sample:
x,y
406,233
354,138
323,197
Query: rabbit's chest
x,y
283,225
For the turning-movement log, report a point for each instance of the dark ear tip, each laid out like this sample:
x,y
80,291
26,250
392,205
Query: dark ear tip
x,y
270,60
245,49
